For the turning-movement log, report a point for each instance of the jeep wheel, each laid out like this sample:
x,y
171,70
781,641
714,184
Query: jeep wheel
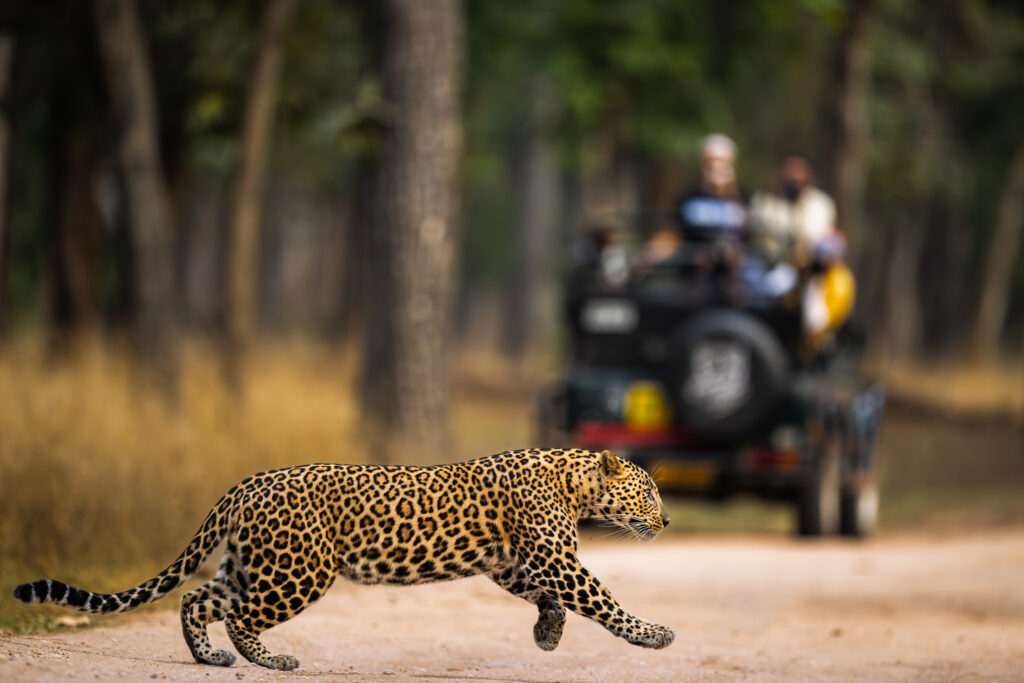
x,y
818,507
858,514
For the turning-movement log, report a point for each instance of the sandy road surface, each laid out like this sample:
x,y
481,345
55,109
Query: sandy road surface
x,y
744,609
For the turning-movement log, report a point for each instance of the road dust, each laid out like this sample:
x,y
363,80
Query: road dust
x,y
898,608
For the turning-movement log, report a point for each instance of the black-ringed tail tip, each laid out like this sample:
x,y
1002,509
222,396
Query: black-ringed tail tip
x,y
60,593
48,590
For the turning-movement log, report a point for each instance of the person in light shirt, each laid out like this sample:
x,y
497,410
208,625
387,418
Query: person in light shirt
x,y
800,222
800,216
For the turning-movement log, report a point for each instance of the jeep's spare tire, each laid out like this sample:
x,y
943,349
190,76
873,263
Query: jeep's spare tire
x,y
729,372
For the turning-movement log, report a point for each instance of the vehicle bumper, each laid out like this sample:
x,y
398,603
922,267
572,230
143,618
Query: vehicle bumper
x,y
681,465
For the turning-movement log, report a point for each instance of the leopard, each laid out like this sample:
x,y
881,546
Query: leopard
x,y
289,533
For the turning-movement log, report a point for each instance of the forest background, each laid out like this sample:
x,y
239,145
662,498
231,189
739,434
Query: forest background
x,y
239,235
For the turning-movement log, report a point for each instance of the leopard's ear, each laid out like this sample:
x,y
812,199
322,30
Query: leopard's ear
x,y
611,466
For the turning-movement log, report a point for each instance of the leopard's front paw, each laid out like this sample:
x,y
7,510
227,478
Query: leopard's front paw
x,y
280,662
217,658
547,632
660,636
654,636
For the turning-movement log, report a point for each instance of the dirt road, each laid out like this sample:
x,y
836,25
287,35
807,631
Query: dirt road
x,y
899,608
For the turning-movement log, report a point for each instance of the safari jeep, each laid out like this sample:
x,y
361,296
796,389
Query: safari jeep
x,y
694,366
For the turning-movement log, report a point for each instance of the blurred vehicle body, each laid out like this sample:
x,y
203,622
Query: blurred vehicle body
x,y
692,361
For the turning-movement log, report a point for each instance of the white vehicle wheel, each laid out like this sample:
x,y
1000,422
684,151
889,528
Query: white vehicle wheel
x,y
860,511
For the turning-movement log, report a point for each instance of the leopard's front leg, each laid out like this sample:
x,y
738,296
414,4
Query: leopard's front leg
x,y
547,632
579,590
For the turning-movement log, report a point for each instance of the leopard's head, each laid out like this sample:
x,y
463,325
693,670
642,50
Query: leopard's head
x,y
628,498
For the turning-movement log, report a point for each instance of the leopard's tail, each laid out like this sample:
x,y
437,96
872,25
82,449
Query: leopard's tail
x,y
206,539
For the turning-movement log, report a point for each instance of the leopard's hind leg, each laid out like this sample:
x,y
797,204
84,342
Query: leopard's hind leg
x,y
285,577
209,603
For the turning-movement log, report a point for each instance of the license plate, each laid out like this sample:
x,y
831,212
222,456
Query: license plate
x,y
696,474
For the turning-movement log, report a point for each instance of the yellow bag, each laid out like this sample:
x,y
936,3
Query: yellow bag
x,y
840,292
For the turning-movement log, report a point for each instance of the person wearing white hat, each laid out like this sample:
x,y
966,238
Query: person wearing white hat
x,y
716,208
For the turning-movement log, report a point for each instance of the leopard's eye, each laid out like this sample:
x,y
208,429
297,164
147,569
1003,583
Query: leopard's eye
x,y
650,495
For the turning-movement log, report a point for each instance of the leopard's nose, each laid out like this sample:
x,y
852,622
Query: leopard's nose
x,y
664,520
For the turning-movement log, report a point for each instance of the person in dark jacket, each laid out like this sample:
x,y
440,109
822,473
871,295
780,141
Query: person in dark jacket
x,y
716,208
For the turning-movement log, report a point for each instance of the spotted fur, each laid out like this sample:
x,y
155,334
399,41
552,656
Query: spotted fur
x,y
290,532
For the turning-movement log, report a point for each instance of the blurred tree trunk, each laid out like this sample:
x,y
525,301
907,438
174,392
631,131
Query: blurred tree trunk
x,y
73,214
942,279
345,305
203,254
663,185
249,184
6,58
333,238
74,260
80,220
609,185
535,179
353,297
849,144
872,287
903,303
1002,254
411,266
130,88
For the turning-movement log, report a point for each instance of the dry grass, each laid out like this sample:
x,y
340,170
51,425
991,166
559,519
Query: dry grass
x,y
101,484
95,472
958,388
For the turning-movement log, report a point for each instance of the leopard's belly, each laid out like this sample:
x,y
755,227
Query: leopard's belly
x,y
412,554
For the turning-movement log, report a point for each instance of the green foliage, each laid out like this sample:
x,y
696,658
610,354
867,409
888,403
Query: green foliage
x,y
948,91
649,76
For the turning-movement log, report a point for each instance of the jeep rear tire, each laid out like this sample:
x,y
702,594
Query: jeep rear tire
x,y
768,370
